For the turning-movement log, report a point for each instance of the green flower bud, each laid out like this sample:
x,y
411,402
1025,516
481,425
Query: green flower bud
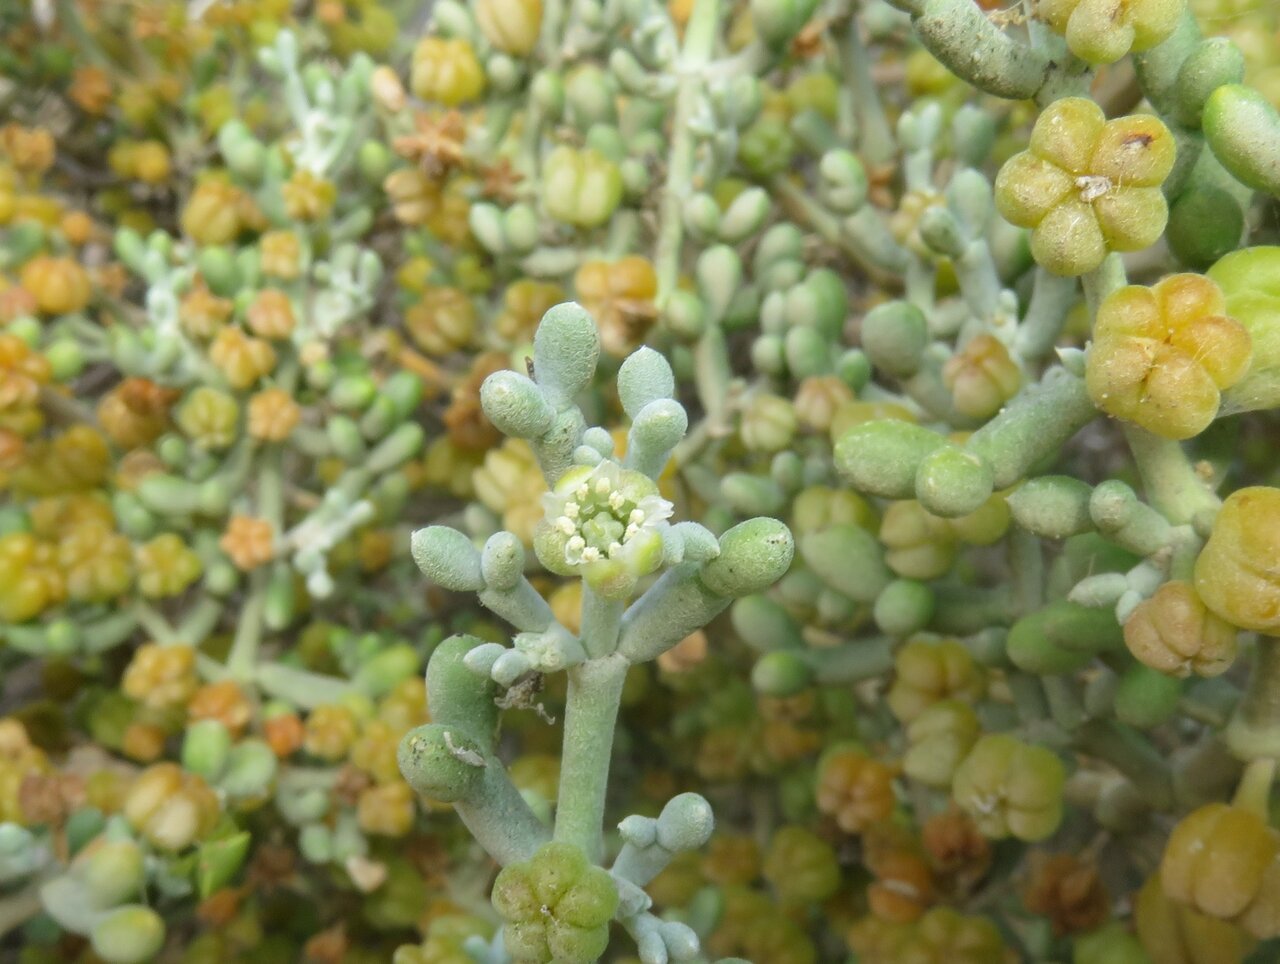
x,y
777,22
903,607
1248,279
848,559
801,866
218,269
951,482
566,348
702,215
128,935
768,423
744,216
764,625
205,748
894,336
556,907
112,872
766,147
753,556
781,673
1242,129
581,188
1052,506
719,277
1146,697
515,405
938,740
218,861
843,181
1011,788
883,457
447,558
1215,61
1205,223
1062,637
441,762
251,766
686,823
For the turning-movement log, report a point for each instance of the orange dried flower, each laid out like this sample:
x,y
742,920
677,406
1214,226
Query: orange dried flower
x,y
143,742
202,313
273,414
90,89
136,412
1066,890
270,314
903,888
281,253
59,285
241,358
956,847
307,196
284,734
250,542
619,295
855,790
161,677
30,149
223,701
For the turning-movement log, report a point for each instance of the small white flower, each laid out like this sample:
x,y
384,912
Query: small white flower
x,y
610,514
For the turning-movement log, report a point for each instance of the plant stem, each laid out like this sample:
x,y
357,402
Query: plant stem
x,y
591,712
244,648
600,621
1168,477
1103,280
875,135
16,909
1254,731
1129,752
699,40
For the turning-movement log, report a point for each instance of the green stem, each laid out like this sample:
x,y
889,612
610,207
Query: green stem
x,y
1254,731
850,663
862,236
244,648
601,619
699,40
1168,477
18,908
591,712
1103,280
301,687
1129,752
1028,697
1026,569
875,134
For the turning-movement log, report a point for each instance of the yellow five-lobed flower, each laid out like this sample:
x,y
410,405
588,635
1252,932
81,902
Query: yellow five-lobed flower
x,y
1161,356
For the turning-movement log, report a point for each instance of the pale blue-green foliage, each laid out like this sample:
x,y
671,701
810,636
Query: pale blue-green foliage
x,y
1052,506
453,759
